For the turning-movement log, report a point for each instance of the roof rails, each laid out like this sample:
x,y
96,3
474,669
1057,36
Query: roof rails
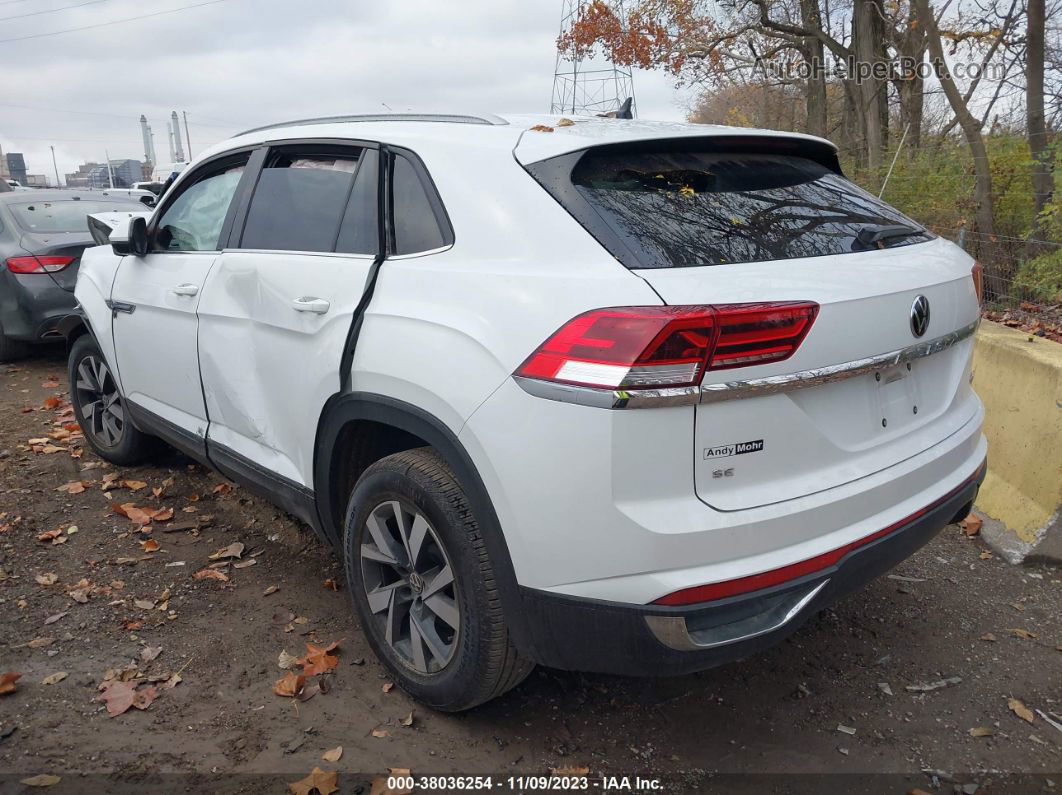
x,y
452,118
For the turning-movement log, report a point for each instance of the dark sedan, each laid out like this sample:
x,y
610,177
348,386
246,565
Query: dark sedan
x,y
42,236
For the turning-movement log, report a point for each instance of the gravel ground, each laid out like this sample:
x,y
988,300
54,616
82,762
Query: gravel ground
x,y
889,681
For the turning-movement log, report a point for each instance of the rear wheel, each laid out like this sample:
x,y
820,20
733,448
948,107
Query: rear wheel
x,y
99,408
423,585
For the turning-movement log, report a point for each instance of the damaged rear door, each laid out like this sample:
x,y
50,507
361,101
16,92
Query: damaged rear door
x,y
278,305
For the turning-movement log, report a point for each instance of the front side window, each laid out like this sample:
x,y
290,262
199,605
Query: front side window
x,y
677,208
300,201
193,221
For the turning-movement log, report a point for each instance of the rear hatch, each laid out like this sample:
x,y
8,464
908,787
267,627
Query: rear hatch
x,y
727,221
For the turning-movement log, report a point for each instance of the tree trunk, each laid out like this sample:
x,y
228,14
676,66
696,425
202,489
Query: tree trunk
x,y
815,89
867,49
1043,183
971,129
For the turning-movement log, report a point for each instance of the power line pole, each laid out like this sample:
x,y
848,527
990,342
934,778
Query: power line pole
x,y
110,174
58,184
596,87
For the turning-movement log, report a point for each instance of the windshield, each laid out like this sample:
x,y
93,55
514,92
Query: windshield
x,y
685,208
65,215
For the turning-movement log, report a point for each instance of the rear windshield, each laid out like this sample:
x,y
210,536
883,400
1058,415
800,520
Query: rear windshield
x,y
66,215
669,209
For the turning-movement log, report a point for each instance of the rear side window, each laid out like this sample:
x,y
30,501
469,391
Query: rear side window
x,y
669,209
417,220
300,201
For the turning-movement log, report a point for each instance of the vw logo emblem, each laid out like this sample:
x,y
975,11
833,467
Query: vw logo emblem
x,y
920,316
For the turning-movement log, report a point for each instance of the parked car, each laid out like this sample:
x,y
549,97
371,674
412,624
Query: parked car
x,y
42,236
599,394
141,195
14,184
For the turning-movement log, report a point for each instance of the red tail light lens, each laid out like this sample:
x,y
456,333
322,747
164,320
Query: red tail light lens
x,y
978,274
645,347
38,264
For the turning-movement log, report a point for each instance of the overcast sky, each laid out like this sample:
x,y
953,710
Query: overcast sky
x,y
234,64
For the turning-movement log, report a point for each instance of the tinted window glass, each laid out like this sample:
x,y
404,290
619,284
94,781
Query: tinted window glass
x,y
299,202
193,221
415,226
65,215
675,209
358,233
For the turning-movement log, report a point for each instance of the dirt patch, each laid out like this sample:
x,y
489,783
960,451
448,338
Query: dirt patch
x,y
779,712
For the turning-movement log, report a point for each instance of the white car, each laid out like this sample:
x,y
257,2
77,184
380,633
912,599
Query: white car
x,y
599,394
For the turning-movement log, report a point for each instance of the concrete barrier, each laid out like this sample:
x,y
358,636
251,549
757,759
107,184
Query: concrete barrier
x,y
1019,378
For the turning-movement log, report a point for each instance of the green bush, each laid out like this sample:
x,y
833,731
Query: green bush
x,y
1041,278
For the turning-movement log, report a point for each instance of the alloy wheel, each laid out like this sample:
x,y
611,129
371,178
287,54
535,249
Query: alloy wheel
x,y
410,588
99,401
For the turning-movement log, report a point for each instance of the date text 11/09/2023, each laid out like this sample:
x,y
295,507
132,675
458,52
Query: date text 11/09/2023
x,y
566,782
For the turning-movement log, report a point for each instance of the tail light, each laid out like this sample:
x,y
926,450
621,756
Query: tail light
x,y
978,274
644,347
38,264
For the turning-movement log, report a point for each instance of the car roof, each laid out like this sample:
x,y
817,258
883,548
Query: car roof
x,y
522,133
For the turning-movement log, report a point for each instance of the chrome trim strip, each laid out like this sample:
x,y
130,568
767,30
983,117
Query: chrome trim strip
x,y
729,390
672,631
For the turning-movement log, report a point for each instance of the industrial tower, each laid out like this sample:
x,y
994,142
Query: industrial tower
x,y
593,86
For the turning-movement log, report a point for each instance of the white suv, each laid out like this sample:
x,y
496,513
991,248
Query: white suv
x,y
600,394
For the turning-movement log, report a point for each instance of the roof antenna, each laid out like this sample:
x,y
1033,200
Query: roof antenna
x,y
387,106
624,111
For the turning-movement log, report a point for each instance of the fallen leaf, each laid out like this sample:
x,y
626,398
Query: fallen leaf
x,y
142,698
47,579
981,731
331,584
388,687
151,545
211,574
318,659
74,486
925,687
134,485
272,589
408,720
50,535
119,697
1021,710
41,780
222,488
40,643
172,682
971,525
333,754
321,781
381,733
286,661
243,564
381,785
149,653
541,128
51,402
144,604
989,637
986,555
54,679
290,685
565,123
7,682
233,550
1022,633
53,619
164,515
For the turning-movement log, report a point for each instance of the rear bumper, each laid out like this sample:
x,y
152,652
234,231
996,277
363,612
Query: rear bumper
x,y
652,640
32,305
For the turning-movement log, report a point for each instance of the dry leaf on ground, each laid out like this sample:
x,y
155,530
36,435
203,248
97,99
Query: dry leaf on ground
x,y
233,550
971,525
318,659
290,685
151,545
1022,633
1022,711
149,653
408,720
381,733
54,679
333,754
211,574
41,780
7,682
74,486
981,731
321,781
49,578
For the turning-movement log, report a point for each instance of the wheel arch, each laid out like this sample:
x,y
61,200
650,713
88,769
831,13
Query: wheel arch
x,y
406,426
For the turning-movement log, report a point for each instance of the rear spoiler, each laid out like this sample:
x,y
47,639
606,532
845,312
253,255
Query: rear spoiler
x,y
112,227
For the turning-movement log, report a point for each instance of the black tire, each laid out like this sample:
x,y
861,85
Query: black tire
x,y
120,442
11,350
483,662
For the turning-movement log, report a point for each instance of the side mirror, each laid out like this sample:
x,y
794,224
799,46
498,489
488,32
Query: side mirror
x,y
135,239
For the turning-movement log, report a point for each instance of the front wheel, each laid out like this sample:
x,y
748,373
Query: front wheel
x,y
99,408
423,585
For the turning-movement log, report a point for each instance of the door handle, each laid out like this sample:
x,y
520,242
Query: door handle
x,y
185,289
308,304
